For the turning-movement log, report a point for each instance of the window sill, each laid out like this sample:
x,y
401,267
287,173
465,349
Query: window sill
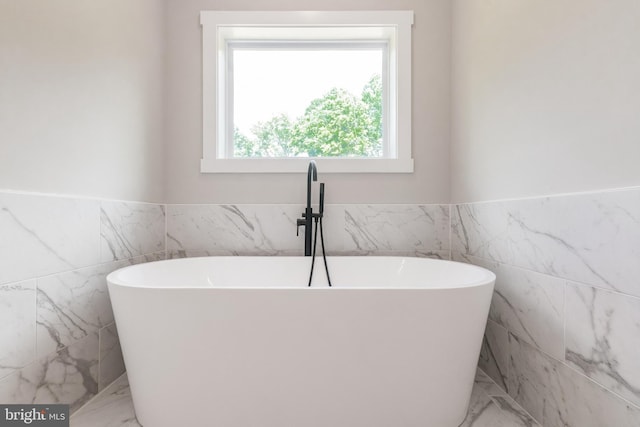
x,y
299,165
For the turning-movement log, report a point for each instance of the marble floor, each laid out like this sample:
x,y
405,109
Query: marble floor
x,y
490,407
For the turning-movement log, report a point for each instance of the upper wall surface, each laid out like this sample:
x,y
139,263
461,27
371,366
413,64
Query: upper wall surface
x,y
546,97
183,127
81,97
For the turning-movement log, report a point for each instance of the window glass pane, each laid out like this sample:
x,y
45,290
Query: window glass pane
x,y
308,102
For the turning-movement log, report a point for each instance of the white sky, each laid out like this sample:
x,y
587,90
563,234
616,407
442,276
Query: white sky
x,y
267,83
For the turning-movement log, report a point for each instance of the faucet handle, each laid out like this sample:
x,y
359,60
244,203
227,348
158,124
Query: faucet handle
x,y
299,222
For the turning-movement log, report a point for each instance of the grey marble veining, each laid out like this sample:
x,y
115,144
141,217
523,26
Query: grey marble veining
x,y
482,411
486,411
404,230
111,360
489,407
47,235
528,304
603,338
112,408
69,376
157,256
233,230
58,342
128,230
514,414
587,238
73,305
557,395
571,347
487,385
420,229
17,326
494,353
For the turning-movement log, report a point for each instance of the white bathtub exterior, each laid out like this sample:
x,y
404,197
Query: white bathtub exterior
x,y
242,342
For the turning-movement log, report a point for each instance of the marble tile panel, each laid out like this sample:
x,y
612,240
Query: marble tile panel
x,y
69,376
399,228
557,395
111,361
44,235
513,414
418,254
603,338
494,353
499,411
17,326
233,229
482,411
334,230
157,256
128,230
112,408
528,304
73,305
487,385
588,238
180,253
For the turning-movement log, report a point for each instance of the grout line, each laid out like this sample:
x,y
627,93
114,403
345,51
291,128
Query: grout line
x,y
605,388
547,196
72,196
36,356
99,359
99,264
569,281
97,396
564,321
575,371
450,234
518,407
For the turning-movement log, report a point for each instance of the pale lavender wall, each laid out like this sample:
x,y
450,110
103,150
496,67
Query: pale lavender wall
x,y
545,97
80,114
183,131
81,97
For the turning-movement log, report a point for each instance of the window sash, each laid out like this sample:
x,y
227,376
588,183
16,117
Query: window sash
x,y
219,26
305,45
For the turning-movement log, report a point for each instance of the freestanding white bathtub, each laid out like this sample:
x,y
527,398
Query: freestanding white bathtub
x,y
243,342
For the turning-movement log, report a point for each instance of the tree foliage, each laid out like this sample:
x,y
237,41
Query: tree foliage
x,y
372,97
337,124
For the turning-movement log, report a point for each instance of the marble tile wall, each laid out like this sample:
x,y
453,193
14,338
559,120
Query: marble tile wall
x,y
490,406
563,336
563,330
417,230
58,341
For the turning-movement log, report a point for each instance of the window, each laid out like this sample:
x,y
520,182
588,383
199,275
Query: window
x,y
280,88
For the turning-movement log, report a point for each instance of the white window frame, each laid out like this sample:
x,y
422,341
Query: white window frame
x,y
221,27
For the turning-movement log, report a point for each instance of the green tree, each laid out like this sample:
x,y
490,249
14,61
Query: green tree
x,y
243,146
372,97
337,124
268,139
274,136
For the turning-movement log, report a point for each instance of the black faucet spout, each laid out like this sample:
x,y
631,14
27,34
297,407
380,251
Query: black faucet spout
x,y
312,174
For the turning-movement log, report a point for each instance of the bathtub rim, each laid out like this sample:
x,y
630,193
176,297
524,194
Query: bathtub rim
x,y
488,277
